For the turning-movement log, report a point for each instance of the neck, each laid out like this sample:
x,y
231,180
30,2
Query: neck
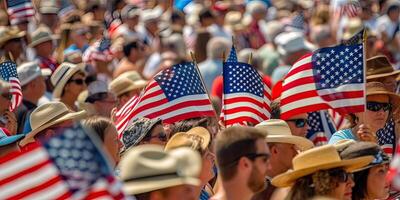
x,y
237,190
274,171
68,101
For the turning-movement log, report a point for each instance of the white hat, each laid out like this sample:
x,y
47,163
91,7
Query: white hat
x,y
147,168
96,87
289,42
61,76
279,132
29,71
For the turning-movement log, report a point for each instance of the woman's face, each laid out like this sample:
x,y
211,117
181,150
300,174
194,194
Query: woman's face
x,y
376,119
158,135
343,191
377,185
207,172
111,143
76,84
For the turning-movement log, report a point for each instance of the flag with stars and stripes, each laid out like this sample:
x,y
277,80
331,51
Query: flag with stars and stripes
x,y
387,137
339,120
99,51
19,11
8,71
174,94
320,127
125,114
68,165
246,98
330,77
355,39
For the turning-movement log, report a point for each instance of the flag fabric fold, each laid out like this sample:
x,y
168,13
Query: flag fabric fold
x,y
68,165
8,72
321,127
329,78
20,10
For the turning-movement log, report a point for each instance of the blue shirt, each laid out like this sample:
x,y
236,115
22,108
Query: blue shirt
x,y
341,135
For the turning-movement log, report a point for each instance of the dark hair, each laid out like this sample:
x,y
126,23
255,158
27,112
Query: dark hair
x,y
360,188
232,144
187,124
275,110
98,125
128,47
205,13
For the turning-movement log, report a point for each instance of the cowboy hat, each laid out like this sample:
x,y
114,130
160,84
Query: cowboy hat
x,y
279,132
40,35
122,85
8,33
28,71
147,168
379,67
374,88
48,115
318,158
135,77
62,74
196,135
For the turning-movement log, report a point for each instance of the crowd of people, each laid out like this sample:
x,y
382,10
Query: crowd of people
x,y
82,61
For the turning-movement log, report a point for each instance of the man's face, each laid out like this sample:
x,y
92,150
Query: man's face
x,y
282,155
181,192
256,180
298,124
5,101
104,106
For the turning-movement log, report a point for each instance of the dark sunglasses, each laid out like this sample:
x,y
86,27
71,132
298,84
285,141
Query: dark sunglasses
x,y
77,81
161,136
300,123
377,106
342,175
7,96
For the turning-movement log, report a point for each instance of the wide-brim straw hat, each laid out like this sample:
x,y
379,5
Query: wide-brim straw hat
x,y
62,74
135,77
8,33
196,135
41,35
48,115
147,168
375,88
278,131
319,158
122,85
379,67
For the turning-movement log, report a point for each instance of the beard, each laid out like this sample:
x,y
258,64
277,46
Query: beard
x,y
256,181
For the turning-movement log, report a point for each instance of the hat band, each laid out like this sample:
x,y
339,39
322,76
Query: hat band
x,y
62,75
144,178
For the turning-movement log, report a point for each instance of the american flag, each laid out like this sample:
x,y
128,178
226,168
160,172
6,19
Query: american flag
x,y
8,70
99,51
125,114
349,8
394,169
66,166
387,137
320,127
20,10
355,39
339,120
174,94
329,78
246,97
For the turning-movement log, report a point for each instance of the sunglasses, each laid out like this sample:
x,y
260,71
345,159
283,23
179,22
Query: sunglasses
x,y
7,96
342,175
77,81
253,156
377,106
300,123
161,136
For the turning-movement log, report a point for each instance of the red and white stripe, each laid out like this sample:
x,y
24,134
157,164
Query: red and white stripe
x,y
16,92
300,95
31,175
106,189
124,115
21,12
240,108
394,171
339,120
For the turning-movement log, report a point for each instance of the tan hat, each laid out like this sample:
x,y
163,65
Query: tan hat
x,y
192,138
353,26
135,77
379,66
121,85
318,158
233,19
48,115
279,132
8,33
40,35
63,73
374,88
147,168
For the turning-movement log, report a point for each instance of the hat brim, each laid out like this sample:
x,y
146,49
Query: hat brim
x,y
138,187
10,139
18,35
140,84
60,86
30,136
396,72
41,40
300,142
288,178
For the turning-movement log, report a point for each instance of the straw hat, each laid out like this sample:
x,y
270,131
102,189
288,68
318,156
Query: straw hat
x,y
40,35
63,73
135,77
379,66
8,33
279,132
48,115
122,85
318,158
374,88
147,168
190,138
